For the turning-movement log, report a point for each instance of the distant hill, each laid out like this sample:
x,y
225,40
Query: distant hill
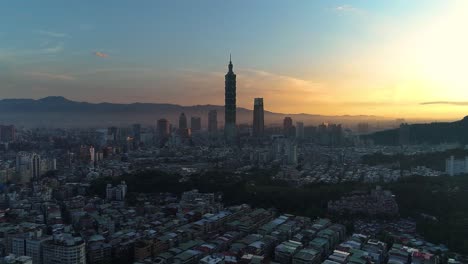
x,y
433,133
57,111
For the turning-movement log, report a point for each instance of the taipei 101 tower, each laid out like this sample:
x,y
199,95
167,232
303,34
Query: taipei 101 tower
x,y
230,105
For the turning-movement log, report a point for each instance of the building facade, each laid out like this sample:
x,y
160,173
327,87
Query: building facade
x,y
258,118
163,128
64,250
195,123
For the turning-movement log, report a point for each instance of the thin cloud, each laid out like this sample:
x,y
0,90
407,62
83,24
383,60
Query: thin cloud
x,y
348,9
445,103
51,34
54,49
101,54
51,76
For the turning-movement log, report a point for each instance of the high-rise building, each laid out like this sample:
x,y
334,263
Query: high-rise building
x,y
212,121
28,166
162,128
299,130
230,132
182,121
64,249
287,126
113,133
117,193
195,123
258,118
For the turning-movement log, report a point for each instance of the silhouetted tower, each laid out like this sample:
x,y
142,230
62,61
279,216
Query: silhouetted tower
x,y
182,121
258,118
230,105
195,123
288,126
163,128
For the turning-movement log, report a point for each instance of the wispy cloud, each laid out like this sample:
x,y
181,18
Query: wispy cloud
x,y
445,103
51,34
54,49
51,76
101,54
341,9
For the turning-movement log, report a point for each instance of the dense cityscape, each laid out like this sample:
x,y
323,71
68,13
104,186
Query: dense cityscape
x,y
234,132
90,195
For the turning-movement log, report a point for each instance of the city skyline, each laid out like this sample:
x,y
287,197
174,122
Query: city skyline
x,y
391,58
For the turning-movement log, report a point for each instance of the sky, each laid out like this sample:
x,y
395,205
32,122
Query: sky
x,y
393,58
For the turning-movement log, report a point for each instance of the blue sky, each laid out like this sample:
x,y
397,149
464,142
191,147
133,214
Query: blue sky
x,y
177,51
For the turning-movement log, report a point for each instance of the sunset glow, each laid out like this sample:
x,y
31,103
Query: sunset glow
x,y
386,58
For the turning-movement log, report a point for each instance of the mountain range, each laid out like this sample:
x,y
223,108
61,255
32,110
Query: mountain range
x,y
57,111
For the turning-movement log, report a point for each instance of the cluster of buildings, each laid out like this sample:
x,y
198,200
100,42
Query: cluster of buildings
x,y
376,203
47,227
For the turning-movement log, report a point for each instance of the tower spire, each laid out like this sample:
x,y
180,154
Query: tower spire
x,y
230,63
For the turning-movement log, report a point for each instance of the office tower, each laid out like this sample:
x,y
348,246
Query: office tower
x,y
28,166
287,126
36,166
136,132
182,121
92,154
230,105
258,118
117,193
212,121
299,130
112,133
195,123
291,152
163,130
64,249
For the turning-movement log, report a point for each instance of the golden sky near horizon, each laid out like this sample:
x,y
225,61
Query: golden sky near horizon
x,y
396,59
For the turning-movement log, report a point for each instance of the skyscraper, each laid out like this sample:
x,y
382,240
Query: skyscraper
x,y
287,126
182,121
230,105
258,118
212,121
195,123
28,166
162,129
